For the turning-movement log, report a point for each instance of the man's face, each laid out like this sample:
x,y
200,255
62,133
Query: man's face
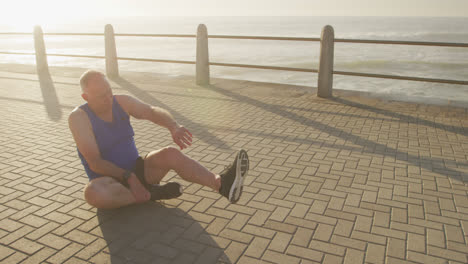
x,y
98,94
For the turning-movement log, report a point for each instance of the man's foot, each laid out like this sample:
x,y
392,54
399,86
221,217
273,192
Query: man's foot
x,y
164,192
232,178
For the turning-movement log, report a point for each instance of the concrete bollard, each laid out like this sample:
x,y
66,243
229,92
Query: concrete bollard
x,y
203,62
112,66
325,76
41,56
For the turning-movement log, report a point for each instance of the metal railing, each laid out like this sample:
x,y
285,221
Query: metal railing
x,y
202,62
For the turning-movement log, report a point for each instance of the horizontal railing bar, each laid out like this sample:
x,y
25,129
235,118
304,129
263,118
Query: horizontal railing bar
x,y
263,38
74,34
263,67
397,77
77,56
398,42
15,33
155,35
156,60
18,53
365,41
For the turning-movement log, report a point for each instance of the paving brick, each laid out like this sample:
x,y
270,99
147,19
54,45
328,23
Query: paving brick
x,y
280,242
415,211
259,218
201,217
236,236
348,242
26,246
396,248
375,253
5,252
323,232
257,247
65,253
416,243
80,237
299,210
280,214
34,221
81,214
305,253
233,252
58,217
363,224
327,247
447,254
163,250
17,234
377,239
435,238
16,257
40,256
302,237
91,249
217,226
353,256
407,228
343,228
381,219
333,259
276,257
259,231
9,225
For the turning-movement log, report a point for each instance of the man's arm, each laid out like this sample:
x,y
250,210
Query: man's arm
x,y
82,131
157,115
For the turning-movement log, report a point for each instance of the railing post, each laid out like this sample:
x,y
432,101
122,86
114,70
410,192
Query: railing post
x,y
41,56
325,76
112,66
202,63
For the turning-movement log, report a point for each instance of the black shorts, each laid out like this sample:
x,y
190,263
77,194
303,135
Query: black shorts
x,y
139,171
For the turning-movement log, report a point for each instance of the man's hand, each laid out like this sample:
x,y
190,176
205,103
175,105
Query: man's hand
x,y
181,136
138,190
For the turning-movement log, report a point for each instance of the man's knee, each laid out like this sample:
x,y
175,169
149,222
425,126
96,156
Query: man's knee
x,y
171,155
96,191
91,194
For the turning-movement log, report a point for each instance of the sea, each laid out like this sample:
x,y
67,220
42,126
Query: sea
x,y
418,61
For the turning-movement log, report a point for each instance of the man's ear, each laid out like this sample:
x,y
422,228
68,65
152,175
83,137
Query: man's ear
x,y
85,97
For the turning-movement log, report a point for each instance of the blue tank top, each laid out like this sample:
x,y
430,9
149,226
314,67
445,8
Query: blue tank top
x,y
114,139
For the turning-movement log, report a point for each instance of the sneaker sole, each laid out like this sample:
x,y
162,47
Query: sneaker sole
x,y
242,167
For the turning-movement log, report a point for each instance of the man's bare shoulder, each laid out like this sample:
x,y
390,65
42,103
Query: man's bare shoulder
x,y
123,98
77,115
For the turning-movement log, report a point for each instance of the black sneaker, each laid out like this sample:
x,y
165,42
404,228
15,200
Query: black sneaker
x,y
167,191
232,178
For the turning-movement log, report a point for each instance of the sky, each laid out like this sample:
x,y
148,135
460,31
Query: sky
x,y
39,11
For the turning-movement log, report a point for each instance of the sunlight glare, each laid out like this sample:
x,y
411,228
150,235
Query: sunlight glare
x,y
23,15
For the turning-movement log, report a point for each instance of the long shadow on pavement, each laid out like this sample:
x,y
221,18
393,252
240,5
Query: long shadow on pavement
x,y
153,233
431,164
410,119
191,125
49,95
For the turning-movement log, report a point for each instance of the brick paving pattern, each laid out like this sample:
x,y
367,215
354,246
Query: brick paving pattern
x,y
348,180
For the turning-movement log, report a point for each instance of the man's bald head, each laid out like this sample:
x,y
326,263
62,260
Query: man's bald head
x,y
87,76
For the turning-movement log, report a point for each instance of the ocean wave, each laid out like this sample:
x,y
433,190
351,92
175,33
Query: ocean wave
x,y
461,37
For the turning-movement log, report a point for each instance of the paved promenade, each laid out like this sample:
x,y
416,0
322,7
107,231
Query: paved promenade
x,y
345,180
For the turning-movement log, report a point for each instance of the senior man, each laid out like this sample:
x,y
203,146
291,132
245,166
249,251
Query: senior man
x,y
118,176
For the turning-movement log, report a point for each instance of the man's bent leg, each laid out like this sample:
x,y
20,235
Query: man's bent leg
x,y
158,163
107,193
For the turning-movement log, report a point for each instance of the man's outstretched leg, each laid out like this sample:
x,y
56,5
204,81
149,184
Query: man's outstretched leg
x,y
229,183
